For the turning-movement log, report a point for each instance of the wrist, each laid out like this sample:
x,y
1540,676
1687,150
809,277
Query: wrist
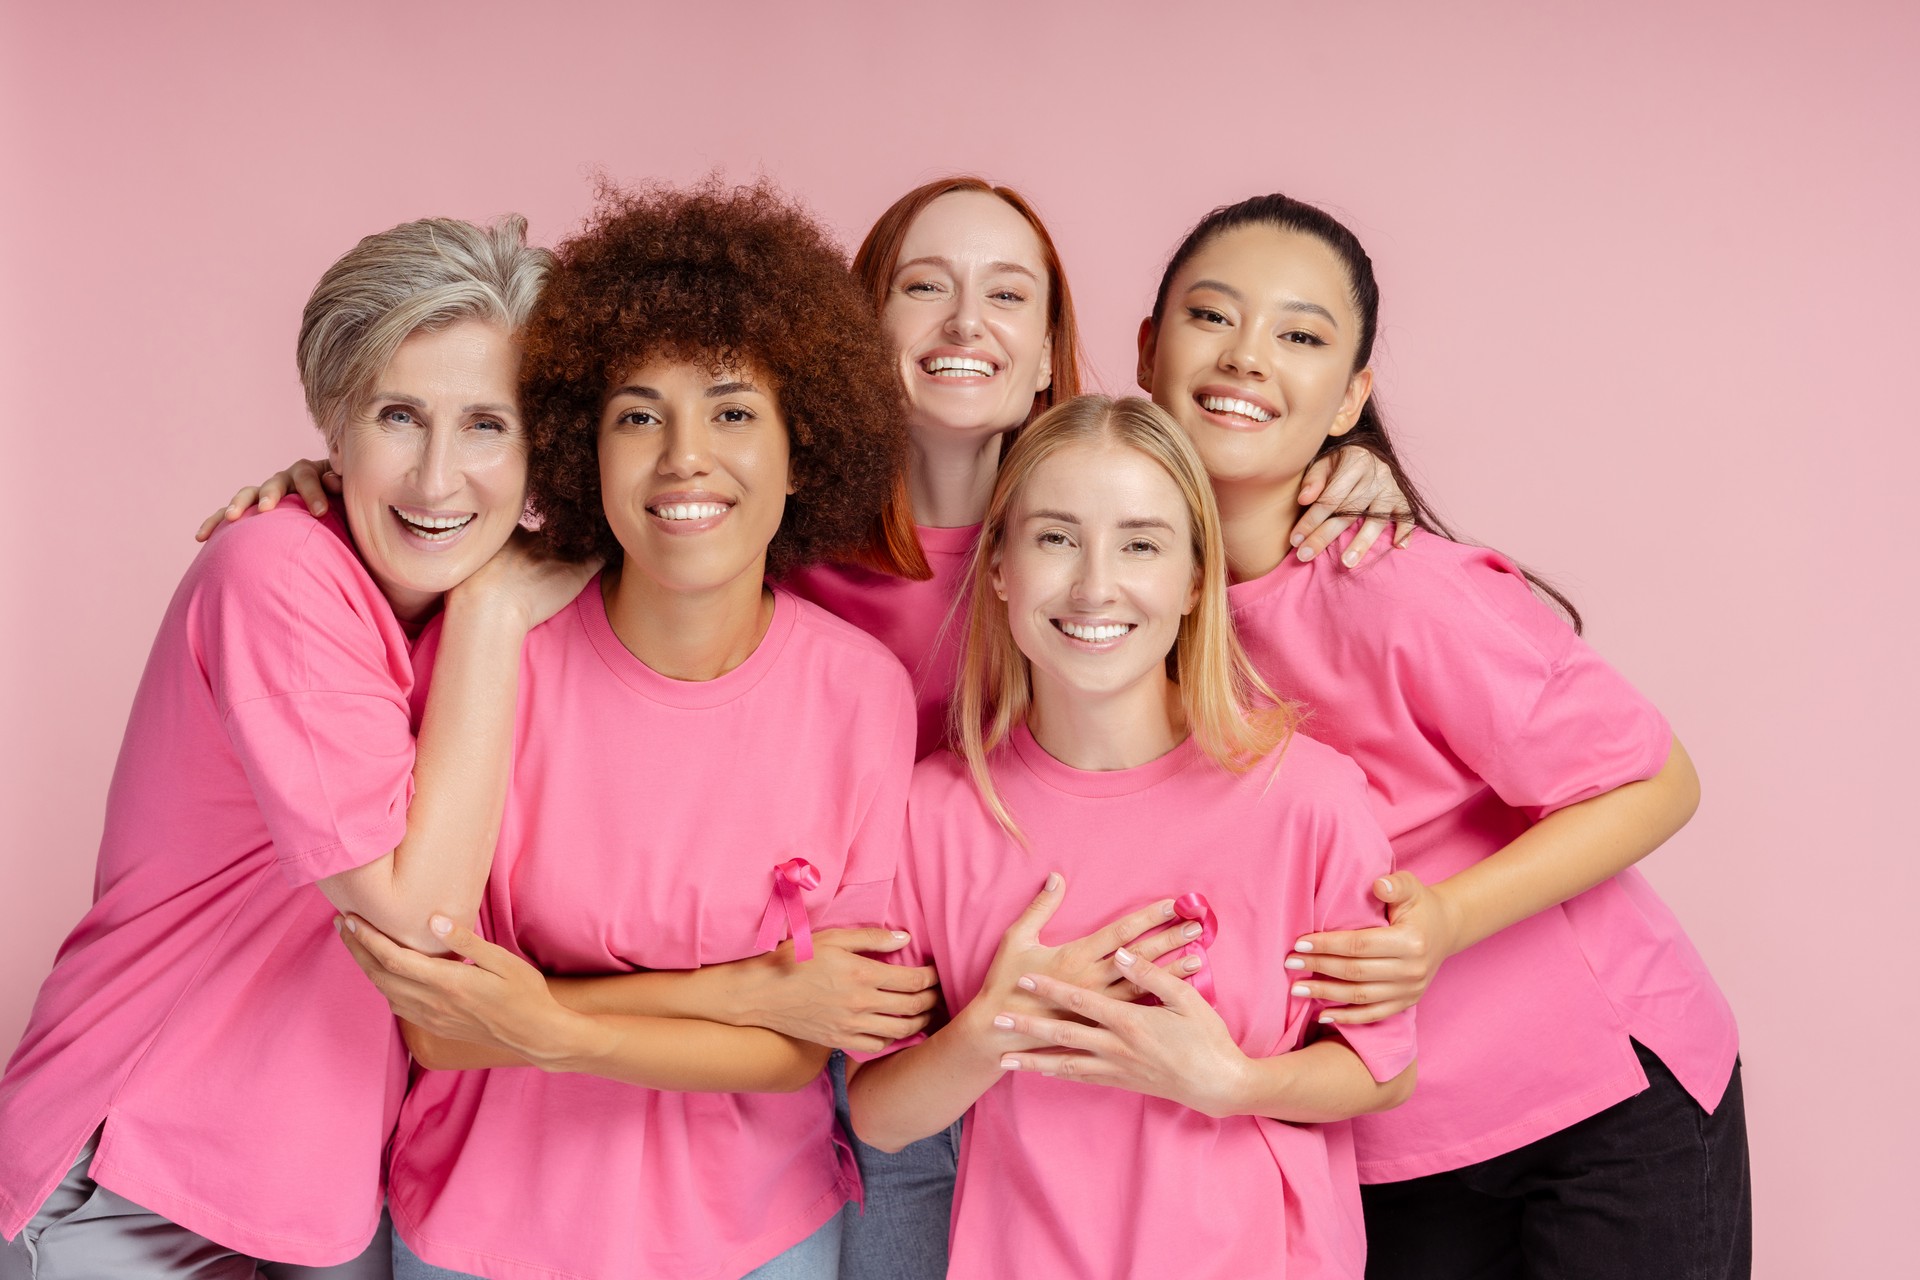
x,y
1455,932
576,1042
1243,1087
478,604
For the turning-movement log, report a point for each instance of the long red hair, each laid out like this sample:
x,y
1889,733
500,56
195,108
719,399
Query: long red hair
x,y
895,545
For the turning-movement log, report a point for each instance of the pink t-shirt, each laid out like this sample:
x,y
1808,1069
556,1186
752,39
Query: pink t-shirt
x,y
247,1074
1476,711
643,825
1062,1179
922,623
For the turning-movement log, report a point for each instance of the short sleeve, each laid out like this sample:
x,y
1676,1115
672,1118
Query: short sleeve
x,y
867,884
1518,697
310,674
1353,854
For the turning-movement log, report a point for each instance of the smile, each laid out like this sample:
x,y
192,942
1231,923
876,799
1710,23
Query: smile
x,y
957,367
1094,632
1238,408
688,510
432,528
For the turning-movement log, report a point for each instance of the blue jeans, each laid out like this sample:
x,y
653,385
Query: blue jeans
x,y
903,1233
815,1258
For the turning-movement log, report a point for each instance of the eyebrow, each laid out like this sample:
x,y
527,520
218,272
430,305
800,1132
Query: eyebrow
x,y
946,264
1291,304
415,402
716,390
1064,517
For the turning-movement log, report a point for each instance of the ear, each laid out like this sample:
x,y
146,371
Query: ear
x,y
1359,387
999,580
1046,365
1147,342
336,457
1193,593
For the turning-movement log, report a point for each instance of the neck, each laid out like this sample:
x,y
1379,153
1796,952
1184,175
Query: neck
x,y
950,475
1255,519
688,635
1102,733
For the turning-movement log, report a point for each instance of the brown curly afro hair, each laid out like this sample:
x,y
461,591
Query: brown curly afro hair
x,y
721,276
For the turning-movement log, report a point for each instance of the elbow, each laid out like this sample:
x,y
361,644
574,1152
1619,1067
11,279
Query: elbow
x,y
1685,782
809,1060
1391,1093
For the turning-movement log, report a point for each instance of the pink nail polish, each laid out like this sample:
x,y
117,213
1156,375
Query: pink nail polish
x,y
1002,1021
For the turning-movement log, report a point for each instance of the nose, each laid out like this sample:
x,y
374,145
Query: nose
x,y
966,322
1093,581
1244,356
687,448
437,472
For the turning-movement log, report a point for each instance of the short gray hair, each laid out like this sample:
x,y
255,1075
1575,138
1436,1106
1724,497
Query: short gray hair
x,y
426,274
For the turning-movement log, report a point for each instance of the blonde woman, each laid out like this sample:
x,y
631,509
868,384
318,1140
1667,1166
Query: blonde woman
x,y
1113,738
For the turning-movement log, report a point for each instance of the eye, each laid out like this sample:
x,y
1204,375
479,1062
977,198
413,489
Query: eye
x,y
1301,338
1142,547
1206,315
1012,297
1054,538
491,424
397,415
921,288
637,418
735,414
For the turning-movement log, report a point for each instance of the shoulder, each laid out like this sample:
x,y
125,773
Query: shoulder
x,y
1307,770
285,558
843,644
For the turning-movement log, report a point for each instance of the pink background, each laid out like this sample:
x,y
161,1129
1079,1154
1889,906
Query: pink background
x,y
1649,272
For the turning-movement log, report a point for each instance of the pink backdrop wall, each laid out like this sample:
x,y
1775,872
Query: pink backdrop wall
x,y
1650,273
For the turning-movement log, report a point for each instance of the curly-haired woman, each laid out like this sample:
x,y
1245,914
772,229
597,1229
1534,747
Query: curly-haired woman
x,y
705,765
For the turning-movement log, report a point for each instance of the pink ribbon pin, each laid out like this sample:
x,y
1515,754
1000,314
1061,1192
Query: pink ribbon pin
x,y
1193,906
790,878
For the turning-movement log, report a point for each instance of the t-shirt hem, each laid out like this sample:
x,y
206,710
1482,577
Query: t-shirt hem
x,y
216,1226
1498,1143
504,1267
316,865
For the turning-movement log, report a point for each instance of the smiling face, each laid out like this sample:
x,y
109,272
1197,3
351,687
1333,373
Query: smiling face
x,y
694,473
967,311
433,467
1097,569
1253,354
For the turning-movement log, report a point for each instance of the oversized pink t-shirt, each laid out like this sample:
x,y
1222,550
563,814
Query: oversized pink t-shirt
x,y
922,623
643,825
1475,711
1062,1179
247,1074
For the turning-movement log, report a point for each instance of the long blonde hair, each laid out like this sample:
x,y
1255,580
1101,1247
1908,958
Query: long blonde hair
x,y
1231,712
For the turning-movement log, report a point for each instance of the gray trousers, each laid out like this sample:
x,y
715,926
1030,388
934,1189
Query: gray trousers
x,y
86,1232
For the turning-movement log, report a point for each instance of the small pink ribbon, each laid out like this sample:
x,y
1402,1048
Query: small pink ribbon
x,y
789,879
1193,906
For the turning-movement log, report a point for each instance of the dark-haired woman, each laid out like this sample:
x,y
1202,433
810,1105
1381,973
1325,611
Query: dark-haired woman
x,y
704,767
1579,1110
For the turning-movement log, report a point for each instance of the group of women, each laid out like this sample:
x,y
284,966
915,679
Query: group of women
x,y
622,815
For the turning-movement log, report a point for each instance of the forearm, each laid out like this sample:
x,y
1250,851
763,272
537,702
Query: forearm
x,y
461,766
919,1091
720,993
685,1054
443,1053
1320,1082
1570,851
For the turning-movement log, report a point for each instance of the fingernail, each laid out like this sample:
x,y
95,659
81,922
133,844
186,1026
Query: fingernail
x,y
1027,984
1123,958
1295,962
1192,964
440,925
1305,553
1303,945
337,923
1300,989
1166,911
1193,930
1004,1022
1009,1064
1350,559
351,926
1386,884
1296,539
1053,881
1325,1019
899,936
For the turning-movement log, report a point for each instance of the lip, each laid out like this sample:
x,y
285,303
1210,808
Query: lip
x,y
1094,646
1233,422
686,528
421,540
967,353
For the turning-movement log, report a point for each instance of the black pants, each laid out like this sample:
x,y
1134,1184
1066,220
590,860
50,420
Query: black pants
x,y
1653,1188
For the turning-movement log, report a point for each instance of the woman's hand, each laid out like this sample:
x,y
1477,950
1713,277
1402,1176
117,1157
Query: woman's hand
x,y
1085,964
1334,490
520,577
1376,973
1179,1049
312,480
499,1000
840,998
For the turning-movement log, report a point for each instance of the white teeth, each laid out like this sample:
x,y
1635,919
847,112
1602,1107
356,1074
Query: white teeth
x,y
689,510
432,528
1097,633
958,367
1222,404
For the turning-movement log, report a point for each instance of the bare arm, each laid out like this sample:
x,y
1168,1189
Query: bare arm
x,y
505,1001
1376,972
463,753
